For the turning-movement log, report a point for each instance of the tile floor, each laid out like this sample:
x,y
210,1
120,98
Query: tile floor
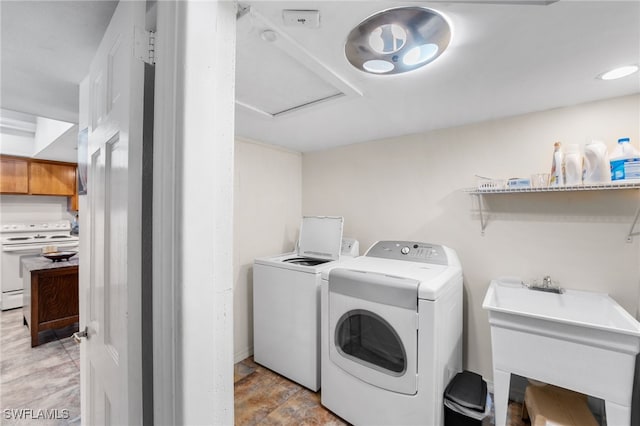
x,y
47,377
44,379
263,397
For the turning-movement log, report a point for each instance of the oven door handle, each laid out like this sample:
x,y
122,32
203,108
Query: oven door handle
x,y
14,249
38,247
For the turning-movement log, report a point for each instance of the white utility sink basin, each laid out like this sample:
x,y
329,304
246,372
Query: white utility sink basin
x,y
577,340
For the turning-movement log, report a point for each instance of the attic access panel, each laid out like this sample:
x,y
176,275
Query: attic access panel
x,y
271,81
275,75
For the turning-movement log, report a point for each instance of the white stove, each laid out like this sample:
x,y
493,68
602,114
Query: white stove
x,y
20,240
49,233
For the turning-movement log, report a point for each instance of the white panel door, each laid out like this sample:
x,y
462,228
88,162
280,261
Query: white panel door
x,y
110,302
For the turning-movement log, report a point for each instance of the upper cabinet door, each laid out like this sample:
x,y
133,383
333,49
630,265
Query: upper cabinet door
x,y
14,175
52,179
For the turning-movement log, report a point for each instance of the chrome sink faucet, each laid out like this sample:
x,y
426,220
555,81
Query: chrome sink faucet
x,y
547,285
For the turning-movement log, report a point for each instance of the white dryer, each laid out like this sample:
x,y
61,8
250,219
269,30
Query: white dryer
x,y
391,333
286,300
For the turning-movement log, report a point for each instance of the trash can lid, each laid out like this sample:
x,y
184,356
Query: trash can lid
x,y
467,389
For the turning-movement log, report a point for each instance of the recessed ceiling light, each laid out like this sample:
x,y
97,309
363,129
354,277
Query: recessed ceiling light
x,y
619,72
398,40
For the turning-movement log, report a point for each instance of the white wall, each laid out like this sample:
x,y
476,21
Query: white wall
x,y
54,140
412,188
267,203
21,146
33,208
47,131
63,148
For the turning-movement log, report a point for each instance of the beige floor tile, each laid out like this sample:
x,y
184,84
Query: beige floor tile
x,y
34,380
303,408
259,394
39,384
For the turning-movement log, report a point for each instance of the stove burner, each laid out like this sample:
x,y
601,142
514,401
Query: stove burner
x,y
59,236
18,238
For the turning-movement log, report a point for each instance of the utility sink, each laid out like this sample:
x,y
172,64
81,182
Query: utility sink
x,y
577,340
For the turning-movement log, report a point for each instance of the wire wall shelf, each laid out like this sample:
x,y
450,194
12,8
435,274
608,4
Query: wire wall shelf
x,y
490,189
591,187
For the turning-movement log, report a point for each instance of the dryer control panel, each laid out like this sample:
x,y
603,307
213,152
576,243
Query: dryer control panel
x,y
410,251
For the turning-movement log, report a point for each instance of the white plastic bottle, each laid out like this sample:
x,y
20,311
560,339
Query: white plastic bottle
x,y
573,165
596,163
625,161
557,176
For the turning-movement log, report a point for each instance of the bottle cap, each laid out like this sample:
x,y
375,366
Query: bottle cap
x,y
623,140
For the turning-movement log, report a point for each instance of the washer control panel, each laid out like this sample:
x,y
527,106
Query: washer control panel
x,y
410,251
350,247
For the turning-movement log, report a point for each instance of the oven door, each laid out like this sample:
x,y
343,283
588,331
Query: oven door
x,y
12,276
373,328
12,255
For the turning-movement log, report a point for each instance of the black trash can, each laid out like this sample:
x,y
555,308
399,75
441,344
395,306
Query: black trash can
x,y
465,400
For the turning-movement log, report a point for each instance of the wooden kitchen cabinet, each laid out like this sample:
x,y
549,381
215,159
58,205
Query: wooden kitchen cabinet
x,y
49,178
14,175
21,175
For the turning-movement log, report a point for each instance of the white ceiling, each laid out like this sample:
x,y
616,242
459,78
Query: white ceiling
x,y
47,47
503,60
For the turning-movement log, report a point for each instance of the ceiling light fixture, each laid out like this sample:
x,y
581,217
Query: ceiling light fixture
x,y
619,72
398,40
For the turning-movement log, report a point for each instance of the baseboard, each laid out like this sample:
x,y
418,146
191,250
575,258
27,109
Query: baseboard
x,y
243,354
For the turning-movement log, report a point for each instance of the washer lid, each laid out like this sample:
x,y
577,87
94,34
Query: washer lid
x,y
320,237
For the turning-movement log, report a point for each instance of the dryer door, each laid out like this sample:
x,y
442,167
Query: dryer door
x,y
373,328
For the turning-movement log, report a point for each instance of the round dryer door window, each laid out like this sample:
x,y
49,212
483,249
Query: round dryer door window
x,y
368,339
373,324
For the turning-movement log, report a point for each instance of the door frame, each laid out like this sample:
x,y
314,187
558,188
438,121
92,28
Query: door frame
x,y
193,221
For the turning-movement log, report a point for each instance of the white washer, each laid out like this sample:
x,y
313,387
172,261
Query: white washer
x,y
286,300
391,333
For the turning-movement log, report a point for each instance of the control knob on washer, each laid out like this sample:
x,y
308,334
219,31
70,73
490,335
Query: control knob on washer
x,y
405,250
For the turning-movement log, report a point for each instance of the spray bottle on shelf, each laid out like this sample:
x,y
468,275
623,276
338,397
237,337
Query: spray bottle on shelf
x,y
557,173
